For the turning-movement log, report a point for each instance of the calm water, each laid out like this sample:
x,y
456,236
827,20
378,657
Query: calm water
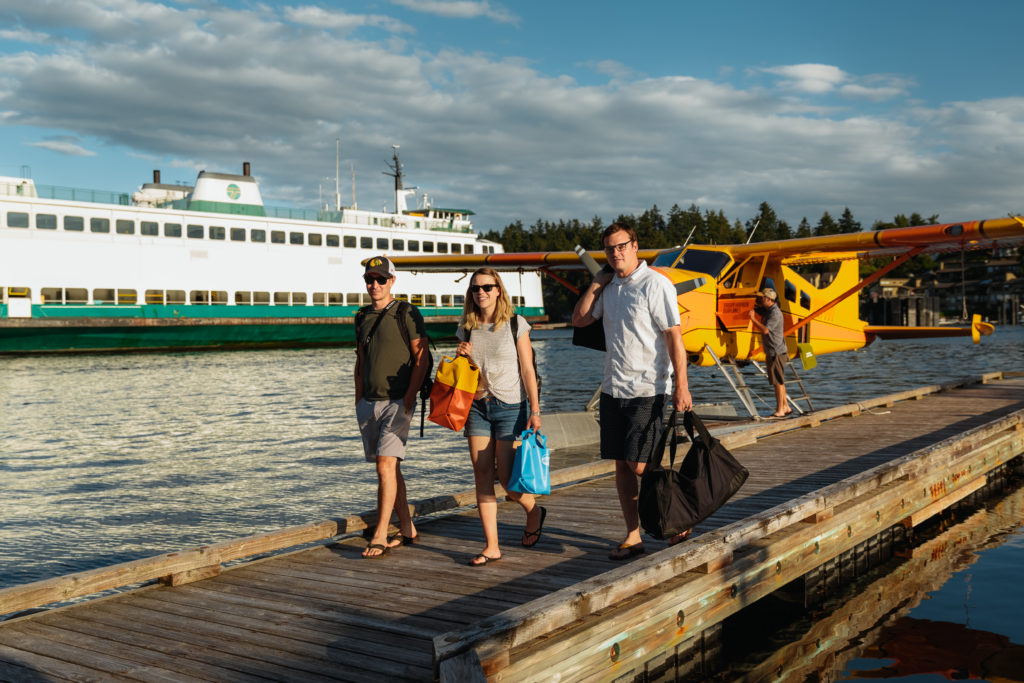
x,y
107,458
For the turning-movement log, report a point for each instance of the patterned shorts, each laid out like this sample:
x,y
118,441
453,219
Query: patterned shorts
x,y
630,427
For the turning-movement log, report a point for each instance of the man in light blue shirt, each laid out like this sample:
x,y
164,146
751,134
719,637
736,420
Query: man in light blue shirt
x,y
640,316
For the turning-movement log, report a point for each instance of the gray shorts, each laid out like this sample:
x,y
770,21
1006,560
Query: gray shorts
x,y
384,426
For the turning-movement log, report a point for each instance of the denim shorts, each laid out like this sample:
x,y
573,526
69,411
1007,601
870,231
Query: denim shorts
x,y
501,421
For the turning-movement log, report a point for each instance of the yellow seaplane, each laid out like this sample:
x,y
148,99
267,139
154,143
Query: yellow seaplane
x,y
716,285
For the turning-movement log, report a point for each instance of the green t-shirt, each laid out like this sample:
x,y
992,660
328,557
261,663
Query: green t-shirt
x,y
387,362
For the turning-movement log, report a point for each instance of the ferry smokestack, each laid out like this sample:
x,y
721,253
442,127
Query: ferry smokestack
x,y
245,168
156,176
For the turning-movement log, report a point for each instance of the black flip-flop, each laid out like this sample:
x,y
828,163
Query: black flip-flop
x,y
375,546
535,535
487,560
624,552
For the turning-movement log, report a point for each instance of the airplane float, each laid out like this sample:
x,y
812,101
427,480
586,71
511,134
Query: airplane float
x,y
716,285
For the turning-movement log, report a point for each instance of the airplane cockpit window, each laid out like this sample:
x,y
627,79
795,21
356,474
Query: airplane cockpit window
x,y
695,260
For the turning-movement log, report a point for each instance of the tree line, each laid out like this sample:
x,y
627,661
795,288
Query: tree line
x,y
656,230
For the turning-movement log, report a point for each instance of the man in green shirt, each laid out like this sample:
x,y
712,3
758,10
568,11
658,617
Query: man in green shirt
x,y
388,375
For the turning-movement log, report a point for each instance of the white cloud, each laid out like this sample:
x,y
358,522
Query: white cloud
x,y
68,146
343,21
460,9
809,78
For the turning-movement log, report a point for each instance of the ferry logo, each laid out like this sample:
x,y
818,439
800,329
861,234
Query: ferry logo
x,y
234,192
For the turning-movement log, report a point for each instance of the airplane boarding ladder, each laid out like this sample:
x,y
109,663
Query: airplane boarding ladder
x,y
735,378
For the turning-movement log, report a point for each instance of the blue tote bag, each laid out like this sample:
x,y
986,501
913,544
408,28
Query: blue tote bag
x,y
531,467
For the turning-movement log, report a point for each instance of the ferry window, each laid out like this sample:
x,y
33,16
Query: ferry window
x,y
282,298
99,225
74,223
375,221
296,238
103,296
175,296
127,297
417,299
154,296
469,249
319,299
790,291
315,239
17,219
333,241
261,298
257,235
805,299
51,295
402,297
335,299
19,293
76,295
446,299
349,241
430,299
149,228
352,299
195,232
456,248
198,296
414,245
123,226
172,229
277,236
237,234
428,247
366,242
460,299
243,298
382,242
217,232
298,298
442,247
398,245
219,298
46,221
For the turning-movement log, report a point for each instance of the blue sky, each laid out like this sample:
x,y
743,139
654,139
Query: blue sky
x,y
528,110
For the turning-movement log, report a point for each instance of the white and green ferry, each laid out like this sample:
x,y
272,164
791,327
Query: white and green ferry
x,y
208,266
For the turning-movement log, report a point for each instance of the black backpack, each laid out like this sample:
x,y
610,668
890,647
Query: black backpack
x,y
402,309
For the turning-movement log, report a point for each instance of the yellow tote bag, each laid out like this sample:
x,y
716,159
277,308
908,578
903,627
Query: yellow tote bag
x,y
453,391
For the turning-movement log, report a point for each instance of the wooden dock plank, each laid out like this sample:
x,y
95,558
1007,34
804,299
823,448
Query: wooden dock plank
x,y
325,613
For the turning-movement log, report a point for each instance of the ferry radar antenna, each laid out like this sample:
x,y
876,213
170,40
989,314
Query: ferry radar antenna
x,y
337,187
396,173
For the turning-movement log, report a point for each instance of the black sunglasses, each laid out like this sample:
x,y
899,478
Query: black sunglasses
x,y
379,279
486,288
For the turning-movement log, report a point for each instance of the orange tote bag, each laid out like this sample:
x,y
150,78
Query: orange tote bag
x,y
453,391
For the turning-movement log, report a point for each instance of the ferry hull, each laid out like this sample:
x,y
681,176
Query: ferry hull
x,y
69,334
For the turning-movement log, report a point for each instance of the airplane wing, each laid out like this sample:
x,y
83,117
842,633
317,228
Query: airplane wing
x,y
969,235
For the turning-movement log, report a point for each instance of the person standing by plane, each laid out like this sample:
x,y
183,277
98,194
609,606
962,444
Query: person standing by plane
x,y
388,373
640,317
767,318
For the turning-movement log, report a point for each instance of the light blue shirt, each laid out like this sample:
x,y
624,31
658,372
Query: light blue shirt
x,y
635,311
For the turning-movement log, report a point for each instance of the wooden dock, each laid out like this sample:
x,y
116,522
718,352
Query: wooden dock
x,y
820,487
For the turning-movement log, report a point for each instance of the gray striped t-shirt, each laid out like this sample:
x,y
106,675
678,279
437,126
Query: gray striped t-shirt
x,y
496,356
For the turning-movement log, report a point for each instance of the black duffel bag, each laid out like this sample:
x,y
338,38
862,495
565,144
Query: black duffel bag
x,y
672,502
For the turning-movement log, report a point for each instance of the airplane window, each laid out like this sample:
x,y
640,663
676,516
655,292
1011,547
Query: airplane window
x,y
790,291
695,260
805,299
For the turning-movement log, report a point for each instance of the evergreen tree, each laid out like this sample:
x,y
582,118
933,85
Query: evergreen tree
x,y
804,229
846,222
826,226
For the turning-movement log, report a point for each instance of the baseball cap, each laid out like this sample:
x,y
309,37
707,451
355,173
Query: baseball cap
x,y
381,266
768,294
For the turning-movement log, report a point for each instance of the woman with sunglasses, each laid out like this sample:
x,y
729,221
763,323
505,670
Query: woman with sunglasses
x,y
507,402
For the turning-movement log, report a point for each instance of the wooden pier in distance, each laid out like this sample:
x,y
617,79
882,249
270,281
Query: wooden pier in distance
x,y
821,486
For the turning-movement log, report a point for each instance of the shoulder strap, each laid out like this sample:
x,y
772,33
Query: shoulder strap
x,y
377,323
